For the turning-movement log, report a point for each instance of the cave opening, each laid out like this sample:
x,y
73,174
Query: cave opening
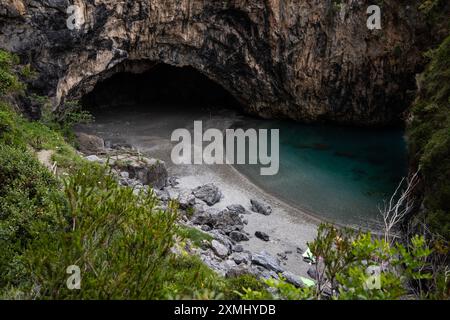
x,y
161,86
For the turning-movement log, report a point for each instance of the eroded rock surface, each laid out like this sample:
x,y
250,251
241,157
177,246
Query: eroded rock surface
x,y
302,59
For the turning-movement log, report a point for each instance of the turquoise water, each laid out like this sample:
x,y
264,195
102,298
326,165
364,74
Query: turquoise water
x,y
339,173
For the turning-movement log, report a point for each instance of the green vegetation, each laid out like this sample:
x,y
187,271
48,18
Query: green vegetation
x,y
429,138
193,234
343,259
119,240
122,242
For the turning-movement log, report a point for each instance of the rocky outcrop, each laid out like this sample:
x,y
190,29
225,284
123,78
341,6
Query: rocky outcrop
x,y
303,59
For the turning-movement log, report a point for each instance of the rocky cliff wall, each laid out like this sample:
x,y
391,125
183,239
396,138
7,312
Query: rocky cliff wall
x,y
303,59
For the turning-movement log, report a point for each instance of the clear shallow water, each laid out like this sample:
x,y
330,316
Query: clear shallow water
x,y
341,174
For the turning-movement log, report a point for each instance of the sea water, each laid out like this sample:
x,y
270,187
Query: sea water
x,y
341,174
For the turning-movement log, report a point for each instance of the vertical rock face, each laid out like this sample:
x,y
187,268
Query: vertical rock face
x,y
303,59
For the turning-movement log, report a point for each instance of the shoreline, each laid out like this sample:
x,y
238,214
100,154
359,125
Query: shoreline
x,y
289,228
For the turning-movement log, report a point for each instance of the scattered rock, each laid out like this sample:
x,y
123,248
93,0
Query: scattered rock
x,y
262,235
148,171
237,208
259,207
162,195
94,158
89,144
237,248
238,236
208,193
282,255
219,249
173,181
186,200
225,220
238,271
205,228
267,261
292,279
312,272
240,257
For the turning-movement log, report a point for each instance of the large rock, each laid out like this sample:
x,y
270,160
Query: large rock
x,y
239,209
238,236
208,193
148,171
267,261
260,207
262,235
225,220
89,144
219,249
293,279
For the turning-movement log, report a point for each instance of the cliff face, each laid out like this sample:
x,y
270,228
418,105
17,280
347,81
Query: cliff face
x,y
303,59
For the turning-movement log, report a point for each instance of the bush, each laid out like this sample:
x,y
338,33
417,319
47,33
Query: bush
x,y
429,138
28,194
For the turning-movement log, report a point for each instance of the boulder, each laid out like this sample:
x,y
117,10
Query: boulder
x,y
240,257
260,207
219,249
292,279
89,144
237,208
94,158
208,193
267,261
186,200
224,220
312,272
237,248
262,235
148,171
238,236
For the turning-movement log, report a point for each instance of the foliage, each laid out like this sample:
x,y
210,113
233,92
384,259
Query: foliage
x,y
429,138
28,194
195,235
348,256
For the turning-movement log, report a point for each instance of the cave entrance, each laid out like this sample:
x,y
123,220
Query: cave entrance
x,y
162,86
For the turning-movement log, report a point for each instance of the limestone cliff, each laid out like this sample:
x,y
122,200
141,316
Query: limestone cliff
x,y
303,59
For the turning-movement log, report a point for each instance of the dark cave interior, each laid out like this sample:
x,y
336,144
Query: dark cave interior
x,y
162,85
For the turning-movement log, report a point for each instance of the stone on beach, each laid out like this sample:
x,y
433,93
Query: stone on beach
x,y
262,235
238,236
260,207
219,249
89,144
148,171
208,193
267,261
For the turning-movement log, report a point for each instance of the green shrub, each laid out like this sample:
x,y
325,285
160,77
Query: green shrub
x,y
194,234
248,284
429,138
28,194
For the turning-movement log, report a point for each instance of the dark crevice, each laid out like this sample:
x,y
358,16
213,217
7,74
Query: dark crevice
x,y
162,85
